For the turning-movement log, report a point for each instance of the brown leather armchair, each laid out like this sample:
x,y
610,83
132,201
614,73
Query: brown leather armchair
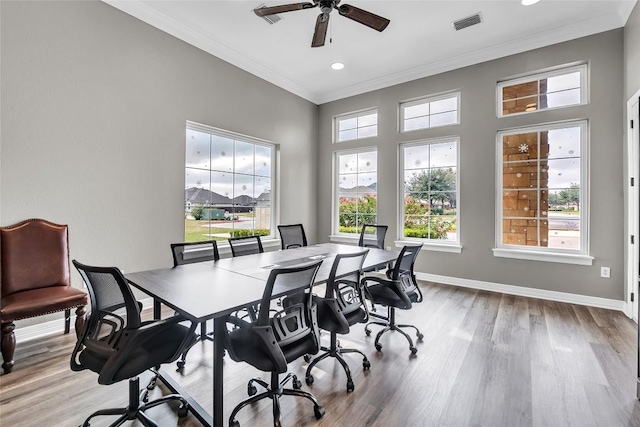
x,y
35,279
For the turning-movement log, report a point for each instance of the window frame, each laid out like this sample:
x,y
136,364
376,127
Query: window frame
x,y
424,100
354,115
428,244
198,127
537,76
537,253
335,204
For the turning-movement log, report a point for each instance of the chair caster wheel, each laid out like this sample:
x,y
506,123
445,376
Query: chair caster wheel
x,y
296,384
234,423
151,385
413,350
145,397
367,332
251,390
420,337
180,365
318,411
366,365
183,411
350,386
307,358
378,347
309,379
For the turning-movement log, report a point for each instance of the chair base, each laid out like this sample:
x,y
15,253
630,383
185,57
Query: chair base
x,y
336,352
273,392
135,410
390,325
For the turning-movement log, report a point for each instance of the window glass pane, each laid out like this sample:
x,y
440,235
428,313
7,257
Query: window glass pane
x,y
564,142
197,185
367,180
262,188
242,190
416,111
564,231
416,157
348,163
557,83
347,135
356,190
368,131
198,146
417,123
368,120
564,172
560,99
222,189
443,119
222,153
443,154
263,160
441,228
523,146
243,157
348,184
367,161
345,124
444,105
521,90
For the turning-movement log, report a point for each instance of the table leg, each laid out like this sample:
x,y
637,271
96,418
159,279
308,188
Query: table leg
x,y
156,309
219,326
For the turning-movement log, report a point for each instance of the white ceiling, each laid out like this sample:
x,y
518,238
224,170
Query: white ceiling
x,y
420,40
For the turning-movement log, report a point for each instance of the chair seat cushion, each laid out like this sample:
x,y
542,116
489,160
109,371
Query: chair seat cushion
x,y
381,294
37,302
155,351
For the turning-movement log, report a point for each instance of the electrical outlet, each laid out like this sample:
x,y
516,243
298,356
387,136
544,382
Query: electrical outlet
x,y
605,272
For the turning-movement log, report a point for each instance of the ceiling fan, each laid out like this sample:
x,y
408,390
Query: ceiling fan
x,y
322,23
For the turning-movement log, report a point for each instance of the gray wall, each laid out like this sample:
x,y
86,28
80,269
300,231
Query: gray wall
x,y
94,105
477,132
632,54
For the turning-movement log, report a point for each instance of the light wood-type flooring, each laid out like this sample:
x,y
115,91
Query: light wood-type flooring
x,y
487,359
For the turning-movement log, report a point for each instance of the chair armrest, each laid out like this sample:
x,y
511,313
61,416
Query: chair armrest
x,y
393,285
329,314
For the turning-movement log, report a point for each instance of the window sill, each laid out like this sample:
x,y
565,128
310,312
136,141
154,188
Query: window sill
x,y
564,258
344,238
429,246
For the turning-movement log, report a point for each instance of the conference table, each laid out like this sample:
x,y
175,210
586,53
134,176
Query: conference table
x,y
215,289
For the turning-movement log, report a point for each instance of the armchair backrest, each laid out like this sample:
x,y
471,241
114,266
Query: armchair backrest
x,y
33,254
292,236
372,236
344,281
178,251
245,245
403,268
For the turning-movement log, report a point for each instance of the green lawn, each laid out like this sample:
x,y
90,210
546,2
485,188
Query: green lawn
x,y
195,232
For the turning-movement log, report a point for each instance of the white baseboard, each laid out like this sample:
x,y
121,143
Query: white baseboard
x,y
54,327
522,291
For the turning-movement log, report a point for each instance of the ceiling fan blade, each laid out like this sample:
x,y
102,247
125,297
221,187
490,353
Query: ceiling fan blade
x,y
264,11
369,19
320,34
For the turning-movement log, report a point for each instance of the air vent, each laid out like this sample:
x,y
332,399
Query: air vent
x,y
271,19
467,22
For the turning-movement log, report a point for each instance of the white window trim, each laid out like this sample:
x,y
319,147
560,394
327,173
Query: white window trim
x,y
429,244
274,170
534,253
335,205
425,100
355,114
584,84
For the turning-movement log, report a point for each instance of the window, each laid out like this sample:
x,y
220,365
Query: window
x,y
561,88
430,112
430,190
228,185
356,126
542,196
356,189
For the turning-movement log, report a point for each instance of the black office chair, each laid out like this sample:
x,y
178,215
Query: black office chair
x,y
399,289
119,345
343,305
292,236
372,236
270,343
245,245
209,253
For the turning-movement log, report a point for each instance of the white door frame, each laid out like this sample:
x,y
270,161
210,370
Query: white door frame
x,y
633,210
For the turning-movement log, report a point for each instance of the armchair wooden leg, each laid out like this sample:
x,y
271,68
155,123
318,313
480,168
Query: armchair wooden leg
x,y
8,346
80,318
67,320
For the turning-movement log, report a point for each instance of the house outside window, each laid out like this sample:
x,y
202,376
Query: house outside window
x,y
542,198
430,112
363,124
355,190
430,191
555,89
229,181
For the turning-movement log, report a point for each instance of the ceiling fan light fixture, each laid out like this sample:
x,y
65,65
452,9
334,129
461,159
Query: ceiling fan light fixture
x,y
529,2
337,65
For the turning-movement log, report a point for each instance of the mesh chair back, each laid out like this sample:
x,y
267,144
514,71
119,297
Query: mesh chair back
x,y
344,281
372,236
178,251
403,269
245,245
295,321
292,236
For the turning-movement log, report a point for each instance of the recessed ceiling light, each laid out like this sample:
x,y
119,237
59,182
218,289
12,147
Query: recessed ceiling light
x,y
337,65
529,2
